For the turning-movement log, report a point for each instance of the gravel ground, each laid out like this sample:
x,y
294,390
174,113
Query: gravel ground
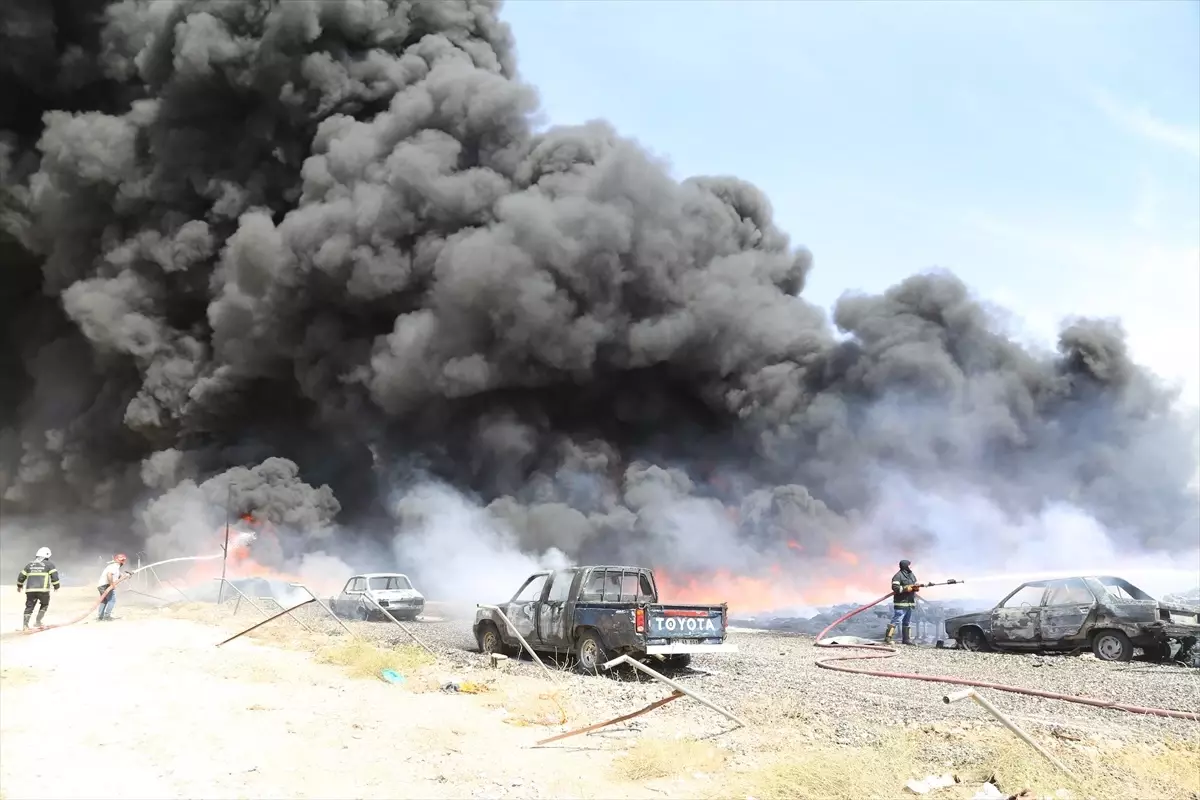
x,y
773,676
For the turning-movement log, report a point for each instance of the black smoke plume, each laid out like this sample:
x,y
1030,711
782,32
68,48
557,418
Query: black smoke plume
x,y
322,251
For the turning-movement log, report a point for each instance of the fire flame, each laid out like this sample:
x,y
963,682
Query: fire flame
x,y
838,577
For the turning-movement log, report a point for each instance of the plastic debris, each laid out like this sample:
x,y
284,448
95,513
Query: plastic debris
x,y
989,792
929,783
391,676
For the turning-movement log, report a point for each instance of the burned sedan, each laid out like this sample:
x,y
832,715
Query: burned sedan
x,y
1107,614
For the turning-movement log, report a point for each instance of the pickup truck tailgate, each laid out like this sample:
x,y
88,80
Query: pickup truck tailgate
x,y
685,622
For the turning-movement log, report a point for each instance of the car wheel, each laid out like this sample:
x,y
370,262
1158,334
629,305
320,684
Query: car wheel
x,y
1112,646
973,639
489,639
362,614
590,653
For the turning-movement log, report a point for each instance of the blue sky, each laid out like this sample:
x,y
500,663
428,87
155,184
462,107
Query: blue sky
x,y
1047,153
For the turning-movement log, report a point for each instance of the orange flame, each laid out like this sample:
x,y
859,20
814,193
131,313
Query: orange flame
x,y
240,563
839,578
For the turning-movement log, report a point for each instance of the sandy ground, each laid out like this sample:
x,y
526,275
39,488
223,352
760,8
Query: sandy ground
x,y
149,704
151,707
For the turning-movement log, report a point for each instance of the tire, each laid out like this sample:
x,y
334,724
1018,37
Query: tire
x,y
488,639
362,614
589,653
1112,646
678,661
973,640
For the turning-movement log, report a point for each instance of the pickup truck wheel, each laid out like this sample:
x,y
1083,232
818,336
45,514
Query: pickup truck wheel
x,y
590,653
1112,646
972,639
489,640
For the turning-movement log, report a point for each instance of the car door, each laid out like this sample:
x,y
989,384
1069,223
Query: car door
x,y
552,613
522,609
1015,619
341,603
350,603
1067,606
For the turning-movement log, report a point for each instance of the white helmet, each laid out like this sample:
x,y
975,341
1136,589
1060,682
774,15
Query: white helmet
x,y
43,552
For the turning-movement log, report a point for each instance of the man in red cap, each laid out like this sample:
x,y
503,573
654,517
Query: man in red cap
x,y
108,583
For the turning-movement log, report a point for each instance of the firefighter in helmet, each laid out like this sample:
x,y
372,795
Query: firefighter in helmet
x,y
36,580
904,600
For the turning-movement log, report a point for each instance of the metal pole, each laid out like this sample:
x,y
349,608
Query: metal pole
x,y
265,621
325,608
225,552
664,679
614,721
243,596
1006,722
521,639
375,603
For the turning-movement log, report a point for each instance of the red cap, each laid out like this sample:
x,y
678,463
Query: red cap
x,y
119,558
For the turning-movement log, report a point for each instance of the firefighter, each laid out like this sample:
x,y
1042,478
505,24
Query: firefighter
x,y
37,579
904,599
109,578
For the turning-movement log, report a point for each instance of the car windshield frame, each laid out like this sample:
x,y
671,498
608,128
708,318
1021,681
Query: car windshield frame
x,y
391,583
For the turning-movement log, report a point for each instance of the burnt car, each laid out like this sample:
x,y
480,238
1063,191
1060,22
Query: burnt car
x,y
376,594
1107,614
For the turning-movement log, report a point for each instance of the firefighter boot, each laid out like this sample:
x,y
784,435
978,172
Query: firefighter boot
x,y
25,623
40,616
907,637
887,636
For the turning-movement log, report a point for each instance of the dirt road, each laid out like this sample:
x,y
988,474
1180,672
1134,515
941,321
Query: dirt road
x,y
149,705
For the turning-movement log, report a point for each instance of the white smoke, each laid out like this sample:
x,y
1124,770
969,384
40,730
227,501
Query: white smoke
x,y
961,533
456,552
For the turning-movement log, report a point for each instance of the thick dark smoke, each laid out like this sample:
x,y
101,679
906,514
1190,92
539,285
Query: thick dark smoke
x,y
321,251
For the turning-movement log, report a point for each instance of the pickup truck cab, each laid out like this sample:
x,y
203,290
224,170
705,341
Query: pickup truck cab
x,y
598,613
392,591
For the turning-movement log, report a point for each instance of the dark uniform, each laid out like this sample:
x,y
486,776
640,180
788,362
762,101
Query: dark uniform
x,y
37,579
904,600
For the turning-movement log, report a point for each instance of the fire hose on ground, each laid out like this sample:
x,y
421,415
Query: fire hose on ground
x,y
878,651
102,597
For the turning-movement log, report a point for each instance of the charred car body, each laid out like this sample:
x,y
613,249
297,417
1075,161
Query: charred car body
x,y
1108,614
599,613
392,593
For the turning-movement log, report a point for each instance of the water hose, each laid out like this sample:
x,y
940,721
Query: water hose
x,y
883,651
100,600
80,618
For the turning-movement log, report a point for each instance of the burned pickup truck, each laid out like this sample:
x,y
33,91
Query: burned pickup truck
x,y
1110,615
599,613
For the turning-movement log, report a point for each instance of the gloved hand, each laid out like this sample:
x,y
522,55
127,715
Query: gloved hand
x,y
916,587
18,590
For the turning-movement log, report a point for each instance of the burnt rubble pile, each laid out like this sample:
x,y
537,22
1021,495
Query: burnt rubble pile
x,y
1191,598
927,621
